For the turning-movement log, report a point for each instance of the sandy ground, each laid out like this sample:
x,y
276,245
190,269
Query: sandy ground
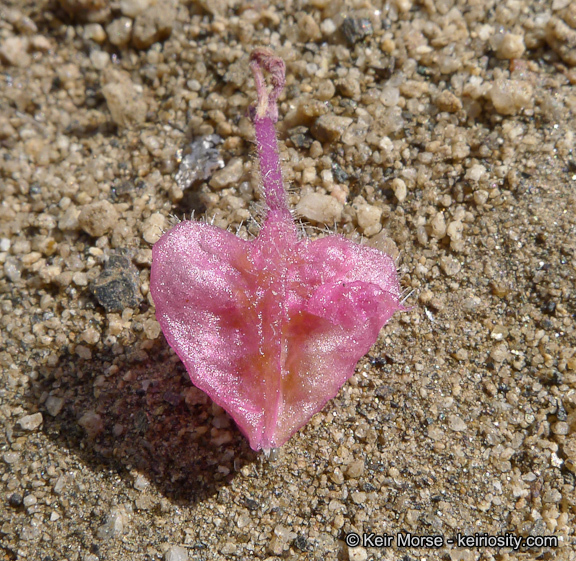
x,y
448,124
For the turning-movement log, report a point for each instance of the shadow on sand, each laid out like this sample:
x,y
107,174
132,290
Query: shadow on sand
x,y
139,411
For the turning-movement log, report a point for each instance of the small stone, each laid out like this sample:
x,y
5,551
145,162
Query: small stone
x,y
552,496
92,423
510,46
355,469
461,355
99,59
94,32
328,27
95,11
561,428
154,24
480,197
499,353
118,286
326,90
369,219
133,8
114,525
336,476
456,423
355,134
29,500
11,457
359,497
80,279
454,230
153,227
390,96
384,244
83,352
90,336
308,29
300,137
13,51
356,29
330,128
399,187
69,220
447,101
40,43
323,209
229,548
125,101
199,161
476,172
499,333
511,96
438,226
450,265
31,422
12,269
120,31
98,218
15,500
141,483
228,176
54,405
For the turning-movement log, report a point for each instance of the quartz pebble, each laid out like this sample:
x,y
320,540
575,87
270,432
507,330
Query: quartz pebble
x,y
14,51
176,553
511,96
228,176
447,101
510,46
115,524
54,405
456,423
31,422
133,8
319,208
369,219
400,190
438,226
153,227
119,31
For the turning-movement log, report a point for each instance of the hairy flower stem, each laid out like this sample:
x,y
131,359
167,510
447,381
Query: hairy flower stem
x,y
264,116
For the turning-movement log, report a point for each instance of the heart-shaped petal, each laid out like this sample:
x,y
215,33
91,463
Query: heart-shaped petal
x,y
270,328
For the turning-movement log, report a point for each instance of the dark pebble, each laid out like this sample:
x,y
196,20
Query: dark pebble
x,y
301,543
15,500
118,286
356,29
301,137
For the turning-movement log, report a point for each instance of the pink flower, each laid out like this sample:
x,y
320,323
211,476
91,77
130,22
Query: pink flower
x,y
270,328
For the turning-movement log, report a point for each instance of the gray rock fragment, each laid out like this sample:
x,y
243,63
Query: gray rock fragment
x,y
118,286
